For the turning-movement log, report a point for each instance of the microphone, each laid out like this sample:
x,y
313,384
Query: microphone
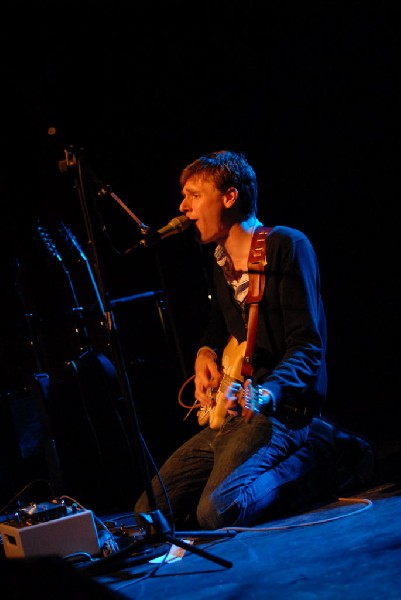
x,y
176,225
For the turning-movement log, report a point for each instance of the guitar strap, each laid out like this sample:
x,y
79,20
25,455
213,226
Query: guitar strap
x,y
256,270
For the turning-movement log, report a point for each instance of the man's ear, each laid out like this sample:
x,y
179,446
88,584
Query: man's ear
x,y
230,197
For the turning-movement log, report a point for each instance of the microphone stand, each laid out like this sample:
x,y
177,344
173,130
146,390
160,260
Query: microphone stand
x,y
106,191
148,240
158,529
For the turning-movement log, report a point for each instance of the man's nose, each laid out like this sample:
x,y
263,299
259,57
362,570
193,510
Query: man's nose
x,y
184,206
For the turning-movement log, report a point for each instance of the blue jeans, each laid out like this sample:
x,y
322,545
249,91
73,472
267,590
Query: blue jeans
x,y
231,476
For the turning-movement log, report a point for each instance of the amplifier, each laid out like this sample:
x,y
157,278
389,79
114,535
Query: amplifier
x,y
68,534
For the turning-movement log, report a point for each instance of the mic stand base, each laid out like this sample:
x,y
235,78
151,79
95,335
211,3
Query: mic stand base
x,y
157,533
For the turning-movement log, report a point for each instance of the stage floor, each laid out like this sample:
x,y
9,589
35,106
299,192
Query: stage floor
x,y
350,547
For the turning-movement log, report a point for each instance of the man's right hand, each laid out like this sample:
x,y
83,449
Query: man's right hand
x,y
207,376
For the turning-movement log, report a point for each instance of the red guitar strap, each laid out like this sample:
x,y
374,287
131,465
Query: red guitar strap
x,y
256,270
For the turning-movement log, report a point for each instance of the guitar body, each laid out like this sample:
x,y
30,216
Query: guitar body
x,y
231,365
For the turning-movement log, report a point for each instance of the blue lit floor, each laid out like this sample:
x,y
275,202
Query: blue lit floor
x,y
350,547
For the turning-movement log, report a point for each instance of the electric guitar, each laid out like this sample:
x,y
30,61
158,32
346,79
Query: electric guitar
x,y
231,364
91,408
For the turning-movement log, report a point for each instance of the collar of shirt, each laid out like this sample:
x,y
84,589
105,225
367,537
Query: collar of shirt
x,y
240,286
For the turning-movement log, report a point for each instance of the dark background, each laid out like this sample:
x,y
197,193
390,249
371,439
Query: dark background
x,y
308,91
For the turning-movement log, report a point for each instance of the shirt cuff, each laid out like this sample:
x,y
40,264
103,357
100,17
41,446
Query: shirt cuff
x,y
266,400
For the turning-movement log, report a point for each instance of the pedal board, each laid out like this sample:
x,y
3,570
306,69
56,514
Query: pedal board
x,y
49,530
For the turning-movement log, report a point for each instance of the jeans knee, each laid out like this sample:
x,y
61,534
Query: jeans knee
x,y
206,514
210,516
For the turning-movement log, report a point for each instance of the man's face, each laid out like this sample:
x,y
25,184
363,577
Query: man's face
x,y
204,204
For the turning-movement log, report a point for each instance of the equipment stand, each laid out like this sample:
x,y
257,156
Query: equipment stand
x,y
158,529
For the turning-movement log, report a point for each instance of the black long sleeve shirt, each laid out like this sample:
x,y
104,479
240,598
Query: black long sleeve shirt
x,y
289,355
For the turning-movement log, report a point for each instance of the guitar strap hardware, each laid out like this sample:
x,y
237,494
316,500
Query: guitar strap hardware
x,y
256,270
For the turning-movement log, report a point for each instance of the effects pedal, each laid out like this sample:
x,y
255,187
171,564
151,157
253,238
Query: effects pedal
x,y
49,530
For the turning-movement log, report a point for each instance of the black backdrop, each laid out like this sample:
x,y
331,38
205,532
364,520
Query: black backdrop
x,y
309,91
